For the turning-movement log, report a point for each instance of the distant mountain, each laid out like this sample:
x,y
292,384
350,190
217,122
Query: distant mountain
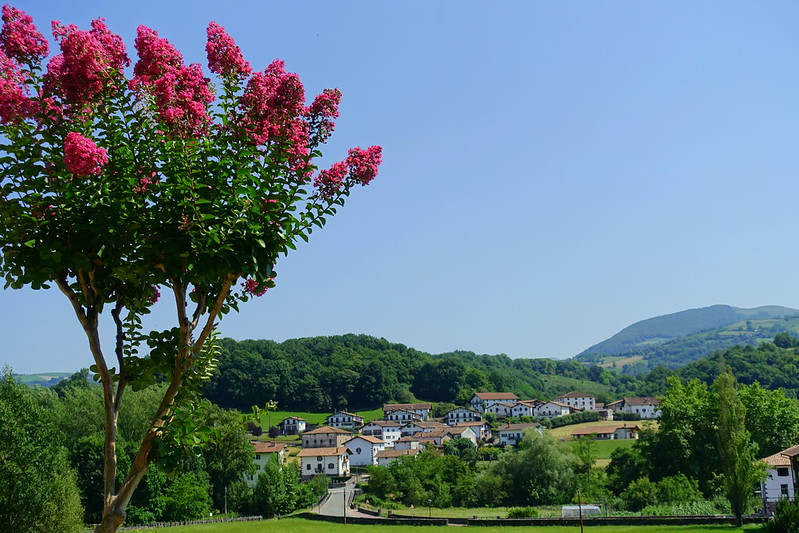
x,y
44,380
676,339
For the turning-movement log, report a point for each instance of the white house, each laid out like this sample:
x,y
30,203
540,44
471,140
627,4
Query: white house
x,y
610,432
386,457
343,419
402,415
292,425
364,450
580,400
324,461
407,443
523,408
645,406
460,415
500,409
413,428
325,437
387,431
421,409
780,482
264,451
482,400
512,434
553,409
481,429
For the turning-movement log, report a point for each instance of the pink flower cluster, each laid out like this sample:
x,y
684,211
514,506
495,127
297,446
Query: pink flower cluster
x,y
89,63
253,287
82,157
363,163
224,56
181,93
321,111
20,39
14,102
361,167
272,101
155,296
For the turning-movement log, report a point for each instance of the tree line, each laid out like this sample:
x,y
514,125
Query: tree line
x,y
362,372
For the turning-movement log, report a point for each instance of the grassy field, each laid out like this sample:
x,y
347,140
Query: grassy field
x,y
296,525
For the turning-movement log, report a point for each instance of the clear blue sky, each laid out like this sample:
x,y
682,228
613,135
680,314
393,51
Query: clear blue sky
x,y
553,171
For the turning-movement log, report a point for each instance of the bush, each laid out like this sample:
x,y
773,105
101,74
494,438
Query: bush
x,y
523,512
626,416
786,518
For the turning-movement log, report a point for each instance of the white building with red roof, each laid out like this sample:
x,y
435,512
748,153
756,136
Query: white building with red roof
x,y
364,450
580,400
780,482
324,461
482,400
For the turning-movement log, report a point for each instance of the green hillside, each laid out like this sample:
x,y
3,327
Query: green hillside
x,y
676,339
44,380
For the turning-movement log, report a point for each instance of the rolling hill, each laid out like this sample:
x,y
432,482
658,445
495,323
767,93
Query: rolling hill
x,y
676,339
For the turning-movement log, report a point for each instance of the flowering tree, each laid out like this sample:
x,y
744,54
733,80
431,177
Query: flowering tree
x,y
117,189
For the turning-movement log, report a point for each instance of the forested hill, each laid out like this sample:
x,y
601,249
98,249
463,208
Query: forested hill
x,y
676,339
359,371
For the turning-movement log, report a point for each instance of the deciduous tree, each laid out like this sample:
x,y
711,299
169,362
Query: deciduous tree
x,y
117,190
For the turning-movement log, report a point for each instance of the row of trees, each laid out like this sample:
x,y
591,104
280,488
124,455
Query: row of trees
x,y
51,441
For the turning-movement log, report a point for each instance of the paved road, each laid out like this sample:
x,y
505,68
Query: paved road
x,y
335,503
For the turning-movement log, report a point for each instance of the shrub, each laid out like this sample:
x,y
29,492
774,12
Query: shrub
x,y
522,512
786,518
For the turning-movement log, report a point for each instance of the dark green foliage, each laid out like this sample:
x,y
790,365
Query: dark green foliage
x,y
626,465
187,498
737,453
786,517
445,481
279,490
362,372
539,472
37,489
523,512
575,418
230,455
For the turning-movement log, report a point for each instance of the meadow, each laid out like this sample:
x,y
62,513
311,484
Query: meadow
x,y
297,525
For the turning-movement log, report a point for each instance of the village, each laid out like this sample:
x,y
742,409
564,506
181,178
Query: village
x,y
406,429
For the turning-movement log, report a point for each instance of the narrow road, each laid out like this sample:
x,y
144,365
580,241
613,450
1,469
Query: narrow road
x,y
338,501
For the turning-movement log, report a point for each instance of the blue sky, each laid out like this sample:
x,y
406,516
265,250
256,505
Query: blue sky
x,y
553,171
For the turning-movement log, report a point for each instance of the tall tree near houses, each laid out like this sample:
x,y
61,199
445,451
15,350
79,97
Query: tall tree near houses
x,y
737,452
115,190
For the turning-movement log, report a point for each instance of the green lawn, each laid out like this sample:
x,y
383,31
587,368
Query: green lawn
x,y
296,525
603,448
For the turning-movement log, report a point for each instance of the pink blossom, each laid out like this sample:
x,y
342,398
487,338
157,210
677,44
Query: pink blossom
x,y
330,181
224,56
181,93
82,157
89,62
155,296
19,38
272,99
321,111
156,57
363,163
253,287
326,104
14,102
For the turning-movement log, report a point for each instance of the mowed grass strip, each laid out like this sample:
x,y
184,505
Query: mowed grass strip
x,y
297,525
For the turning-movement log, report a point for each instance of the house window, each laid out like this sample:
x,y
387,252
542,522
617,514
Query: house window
x,y
784,490
331,466
308,466
357,450
782,472
318,457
